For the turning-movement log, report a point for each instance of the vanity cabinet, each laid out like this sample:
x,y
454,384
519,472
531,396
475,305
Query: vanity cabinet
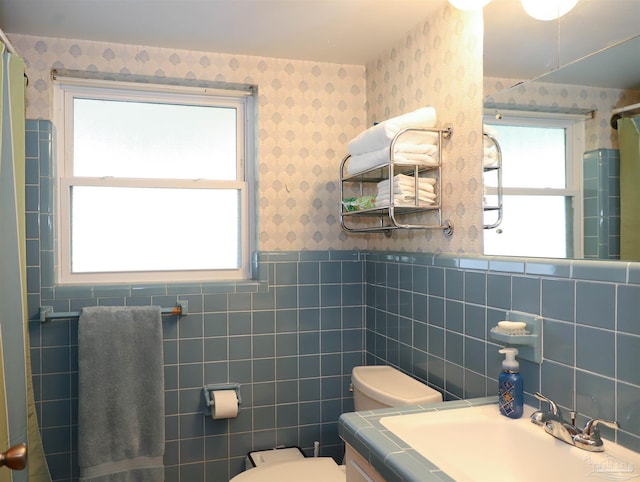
x,y
358,469
359,211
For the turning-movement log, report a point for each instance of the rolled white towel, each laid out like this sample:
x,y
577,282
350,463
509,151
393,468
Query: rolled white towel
x,y
380,135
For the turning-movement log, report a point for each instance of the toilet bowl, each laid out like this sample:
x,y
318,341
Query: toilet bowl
x,y
373,387
311,469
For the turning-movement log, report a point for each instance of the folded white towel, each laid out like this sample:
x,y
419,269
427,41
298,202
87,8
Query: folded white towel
x,y
406,200
369,160
426,195
380,135
405,147
405,189
403,179
415,158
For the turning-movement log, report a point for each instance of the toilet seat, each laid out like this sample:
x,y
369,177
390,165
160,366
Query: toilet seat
x,y
312,469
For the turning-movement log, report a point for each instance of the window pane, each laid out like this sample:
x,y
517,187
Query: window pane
x,y
150,229
150,140
532,157
535,226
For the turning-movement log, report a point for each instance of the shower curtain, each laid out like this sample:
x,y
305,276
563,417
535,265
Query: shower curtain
x,y
18,421
629,141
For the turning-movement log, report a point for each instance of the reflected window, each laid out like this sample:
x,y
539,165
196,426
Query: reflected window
x,y
541,175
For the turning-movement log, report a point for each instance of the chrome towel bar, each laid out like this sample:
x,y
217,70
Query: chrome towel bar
x,y
47,313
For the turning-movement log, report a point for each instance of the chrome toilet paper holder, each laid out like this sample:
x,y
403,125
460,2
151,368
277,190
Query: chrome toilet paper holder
x,y
207,390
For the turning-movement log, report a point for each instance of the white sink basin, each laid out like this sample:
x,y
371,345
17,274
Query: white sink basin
x,y
479,444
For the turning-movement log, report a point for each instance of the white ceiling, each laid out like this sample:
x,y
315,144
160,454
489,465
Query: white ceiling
x,y
520,47
340,31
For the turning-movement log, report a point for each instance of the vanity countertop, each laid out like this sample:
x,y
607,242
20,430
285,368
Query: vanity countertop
x,y
388,454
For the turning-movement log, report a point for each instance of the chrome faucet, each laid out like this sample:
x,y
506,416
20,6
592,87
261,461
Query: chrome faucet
x,y
587,438
539,417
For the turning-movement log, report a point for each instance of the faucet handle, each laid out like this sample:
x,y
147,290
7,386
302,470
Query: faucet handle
x,y
553,407
591,427
590,438
539,417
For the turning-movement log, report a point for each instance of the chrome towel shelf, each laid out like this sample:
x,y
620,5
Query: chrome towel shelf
x,y
47,313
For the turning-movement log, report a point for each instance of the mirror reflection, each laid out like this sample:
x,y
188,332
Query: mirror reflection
x,y
564,75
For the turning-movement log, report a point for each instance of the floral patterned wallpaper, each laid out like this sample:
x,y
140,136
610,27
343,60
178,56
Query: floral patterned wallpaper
x,y
439,63
308,111
598,131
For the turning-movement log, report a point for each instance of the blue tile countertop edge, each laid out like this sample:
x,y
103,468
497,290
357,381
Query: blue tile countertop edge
x,y
387,453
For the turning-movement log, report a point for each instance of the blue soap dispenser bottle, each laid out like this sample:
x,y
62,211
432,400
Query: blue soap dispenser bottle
x,y
510,392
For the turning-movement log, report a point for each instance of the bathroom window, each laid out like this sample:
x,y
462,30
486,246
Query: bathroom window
x,y
542,172
154,182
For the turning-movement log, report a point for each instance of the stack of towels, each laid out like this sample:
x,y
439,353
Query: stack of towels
x,y
372,147
404,191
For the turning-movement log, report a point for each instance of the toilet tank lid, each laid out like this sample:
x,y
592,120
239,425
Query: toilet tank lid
x,y
392,387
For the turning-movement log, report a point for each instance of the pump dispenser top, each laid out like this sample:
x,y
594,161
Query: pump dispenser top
x,y
510,363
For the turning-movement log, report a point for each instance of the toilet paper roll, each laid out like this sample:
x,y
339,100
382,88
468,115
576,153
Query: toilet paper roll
x,y
225,404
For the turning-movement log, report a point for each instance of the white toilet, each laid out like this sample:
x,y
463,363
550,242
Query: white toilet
x,y
384,386
373,387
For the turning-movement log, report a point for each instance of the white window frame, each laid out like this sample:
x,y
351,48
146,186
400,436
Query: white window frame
x,y
574,153
65,89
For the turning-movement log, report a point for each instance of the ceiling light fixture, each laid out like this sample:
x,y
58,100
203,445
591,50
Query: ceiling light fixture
x,y
538,9
469,4
548,9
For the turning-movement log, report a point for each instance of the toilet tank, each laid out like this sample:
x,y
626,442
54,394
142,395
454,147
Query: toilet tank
x,y
384,386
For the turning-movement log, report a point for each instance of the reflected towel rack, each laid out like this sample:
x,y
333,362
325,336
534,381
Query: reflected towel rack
x,y
47,313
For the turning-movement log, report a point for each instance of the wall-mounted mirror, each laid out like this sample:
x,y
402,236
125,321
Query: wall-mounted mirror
x,y
578,67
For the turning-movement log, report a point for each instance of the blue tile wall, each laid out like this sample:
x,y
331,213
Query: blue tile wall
x,y
291,337
601,188
591,329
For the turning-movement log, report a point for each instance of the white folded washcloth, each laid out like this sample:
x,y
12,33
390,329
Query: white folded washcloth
x,y
380,135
